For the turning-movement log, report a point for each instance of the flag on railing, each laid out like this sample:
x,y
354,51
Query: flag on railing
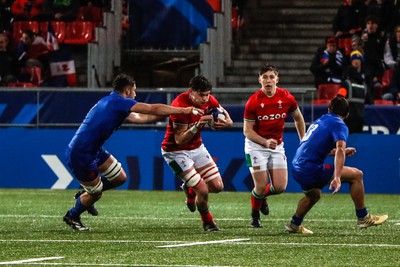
x,y
62,69
51,39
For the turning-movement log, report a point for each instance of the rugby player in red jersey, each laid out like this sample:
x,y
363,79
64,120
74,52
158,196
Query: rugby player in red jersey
x,y
185,153
264,118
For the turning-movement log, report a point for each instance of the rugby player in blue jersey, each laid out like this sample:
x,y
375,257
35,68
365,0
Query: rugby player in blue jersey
x,y
328,136
95,168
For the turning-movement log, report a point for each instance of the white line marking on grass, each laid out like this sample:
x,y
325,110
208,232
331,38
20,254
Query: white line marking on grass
x,y
318,244
83,241
170,218
30,260
179,243
126,264
204,243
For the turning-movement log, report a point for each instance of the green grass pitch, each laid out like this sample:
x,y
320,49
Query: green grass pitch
x,y
154,228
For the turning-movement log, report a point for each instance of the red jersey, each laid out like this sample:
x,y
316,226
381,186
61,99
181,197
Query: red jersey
x,y
183,100
269,113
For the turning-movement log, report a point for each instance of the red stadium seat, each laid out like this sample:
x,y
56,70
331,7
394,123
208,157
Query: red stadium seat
x,y
380,102
59,28
21,84
35,75
387,76
90,13
321,101
325,93
20,26
345,44
78,32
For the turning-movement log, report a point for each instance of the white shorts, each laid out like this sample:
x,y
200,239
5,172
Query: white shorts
x,y
183,160
259,158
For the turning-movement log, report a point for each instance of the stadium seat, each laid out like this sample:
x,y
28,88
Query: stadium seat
x,y
325,93
78,32
59,28
21,84
345,44
387,76
90,13
34,73
321,102
20,26
381,102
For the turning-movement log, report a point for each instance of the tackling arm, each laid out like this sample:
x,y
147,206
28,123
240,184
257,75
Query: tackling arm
x,y
139,118
163,110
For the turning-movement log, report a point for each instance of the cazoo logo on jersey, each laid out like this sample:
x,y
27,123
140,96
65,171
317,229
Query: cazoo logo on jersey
x,y
270,117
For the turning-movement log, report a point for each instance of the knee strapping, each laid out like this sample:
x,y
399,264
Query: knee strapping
x,y
94,190
192,178
113,171
209,173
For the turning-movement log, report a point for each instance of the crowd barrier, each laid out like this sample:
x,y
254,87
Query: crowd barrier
x,y
67,107
37,124
34,158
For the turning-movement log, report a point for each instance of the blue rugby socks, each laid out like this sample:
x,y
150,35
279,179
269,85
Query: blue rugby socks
x,y
297,220
361,213
78,209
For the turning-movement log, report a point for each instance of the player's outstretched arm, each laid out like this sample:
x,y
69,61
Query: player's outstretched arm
x,y
164,110
139,118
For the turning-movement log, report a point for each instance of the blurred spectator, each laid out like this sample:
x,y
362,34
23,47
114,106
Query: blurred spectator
x,y
328,63
62,10
32,50
9,67
354,89
393,15
357,44
382,9
373,51
349,18
5,15
28,10
392,60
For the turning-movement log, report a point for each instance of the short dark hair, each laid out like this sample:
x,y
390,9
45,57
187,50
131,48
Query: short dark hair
x,y
339,106
267,67
122,81
372,18
29,32
200,83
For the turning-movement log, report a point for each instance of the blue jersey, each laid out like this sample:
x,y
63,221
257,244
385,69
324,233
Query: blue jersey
x,y
101,121
320,139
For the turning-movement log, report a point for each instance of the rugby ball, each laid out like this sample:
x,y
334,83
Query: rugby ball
x,y
216,113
